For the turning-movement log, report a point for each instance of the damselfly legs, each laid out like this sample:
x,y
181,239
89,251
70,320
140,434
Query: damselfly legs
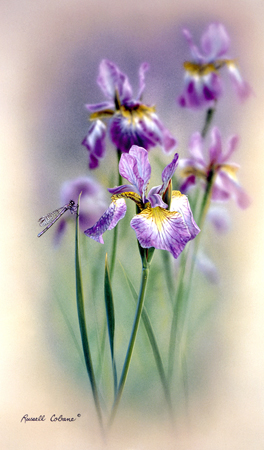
x,y
48,220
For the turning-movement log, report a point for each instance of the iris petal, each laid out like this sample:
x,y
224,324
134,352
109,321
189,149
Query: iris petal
x,y
109,219
162,229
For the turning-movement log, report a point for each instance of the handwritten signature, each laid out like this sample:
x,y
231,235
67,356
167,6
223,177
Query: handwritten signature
x,y
54,418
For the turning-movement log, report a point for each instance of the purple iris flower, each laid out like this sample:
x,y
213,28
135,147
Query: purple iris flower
x,y
156,224
201,166
129,120
93,202
202,82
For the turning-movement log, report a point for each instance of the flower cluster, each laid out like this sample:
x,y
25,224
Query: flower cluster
x,y
216,166
130,122
155,225
163,217
202,83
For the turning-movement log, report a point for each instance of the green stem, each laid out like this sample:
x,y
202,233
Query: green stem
x,y
82,324
178,305
144,278
154,346
184,286
208,120
113,257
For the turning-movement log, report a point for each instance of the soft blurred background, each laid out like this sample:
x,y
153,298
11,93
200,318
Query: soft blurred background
x,y
50,52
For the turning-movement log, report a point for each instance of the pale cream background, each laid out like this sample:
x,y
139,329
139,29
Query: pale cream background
x,y
33,35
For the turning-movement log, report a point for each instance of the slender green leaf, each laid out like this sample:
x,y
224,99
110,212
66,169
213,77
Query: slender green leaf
x,y
110,315
153,343
82,322
140,303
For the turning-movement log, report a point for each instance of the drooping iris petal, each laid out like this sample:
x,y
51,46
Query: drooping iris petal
x,y
230,186
180,203
207,267
124,133
242,88
166,140
109,219
162,229
220,218
93,203
200,91
95,143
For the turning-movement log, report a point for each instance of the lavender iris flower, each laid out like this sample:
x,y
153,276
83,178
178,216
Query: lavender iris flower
x,y
199,166
129,121
202,82
156,224
92,205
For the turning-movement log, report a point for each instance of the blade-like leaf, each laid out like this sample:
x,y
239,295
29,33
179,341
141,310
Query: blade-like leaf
x,y
153,343
82,322
110,315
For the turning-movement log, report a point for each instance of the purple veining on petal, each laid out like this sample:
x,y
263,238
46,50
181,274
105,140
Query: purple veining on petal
x,y
180,203
168,172
107,221
156,200
142,168
95,143
172,236
112,80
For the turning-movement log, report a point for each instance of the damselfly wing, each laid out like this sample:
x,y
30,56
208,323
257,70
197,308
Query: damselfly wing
x,y
52,217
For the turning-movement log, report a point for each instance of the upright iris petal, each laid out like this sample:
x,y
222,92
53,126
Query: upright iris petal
x,y
129,121
202,82
155,225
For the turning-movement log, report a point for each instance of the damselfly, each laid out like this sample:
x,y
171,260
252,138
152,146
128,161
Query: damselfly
x,y
48,220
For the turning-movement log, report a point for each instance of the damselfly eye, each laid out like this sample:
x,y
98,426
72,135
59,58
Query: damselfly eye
x,y
71,203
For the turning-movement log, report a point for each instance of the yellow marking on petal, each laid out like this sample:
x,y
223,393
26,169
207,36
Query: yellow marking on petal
x,y
157,215
230,170
189,170
136,112
204,69
177,194
104,114
132,195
